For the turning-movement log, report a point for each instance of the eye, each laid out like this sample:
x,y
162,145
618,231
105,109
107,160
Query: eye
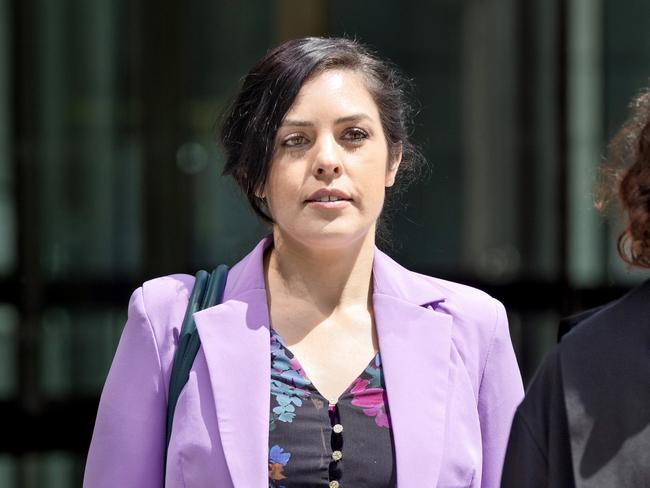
x,y
355,135
294,141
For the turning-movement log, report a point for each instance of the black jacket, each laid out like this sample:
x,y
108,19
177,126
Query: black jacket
x,y
585,421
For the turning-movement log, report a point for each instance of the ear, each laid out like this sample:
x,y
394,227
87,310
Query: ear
x,y
393,165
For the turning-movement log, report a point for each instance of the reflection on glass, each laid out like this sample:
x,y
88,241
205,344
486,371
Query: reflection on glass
x,y
7,220
225,228
51,470
626,54
533,334
585,246
8,472
8,356
77,347
90,178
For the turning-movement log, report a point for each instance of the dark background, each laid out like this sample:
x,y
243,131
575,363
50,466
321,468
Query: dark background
x,y
109,174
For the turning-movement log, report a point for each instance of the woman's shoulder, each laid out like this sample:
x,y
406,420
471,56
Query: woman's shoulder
x,y
165,292
422,288
480,338
625,321
610,344
479,321
476,316
471,308
462,294
479,324
159,305
603,364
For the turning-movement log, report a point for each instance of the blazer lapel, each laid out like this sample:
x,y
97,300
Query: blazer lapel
x,y
236,341
414,341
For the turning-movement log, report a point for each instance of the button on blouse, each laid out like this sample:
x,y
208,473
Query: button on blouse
x,y
313,443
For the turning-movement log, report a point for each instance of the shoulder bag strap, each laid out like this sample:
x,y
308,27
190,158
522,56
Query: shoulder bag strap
x,y
207,292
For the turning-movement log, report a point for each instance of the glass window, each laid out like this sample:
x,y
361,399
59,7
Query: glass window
x,y
626,71
77,347
222,47
8,471
90,205
424,40
51,470
8,353
7,202
535,332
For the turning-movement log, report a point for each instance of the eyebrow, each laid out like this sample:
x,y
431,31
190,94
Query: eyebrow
x,y
340,120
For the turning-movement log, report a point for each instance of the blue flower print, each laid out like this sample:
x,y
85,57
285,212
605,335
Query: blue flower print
x,y
288,385
278,459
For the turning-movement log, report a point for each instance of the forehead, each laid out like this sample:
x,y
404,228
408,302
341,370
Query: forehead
x,y
335,92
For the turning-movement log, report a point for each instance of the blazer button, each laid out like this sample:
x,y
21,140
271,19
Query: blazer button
x,y
337,455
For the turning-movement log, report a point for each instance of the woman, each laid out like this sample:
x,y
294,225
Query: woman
x,y
585,420
327,364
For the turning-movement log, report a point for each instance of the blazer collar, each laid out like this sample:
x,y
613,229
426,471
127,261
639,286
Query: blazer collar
x,y
392,279
389,278
414,341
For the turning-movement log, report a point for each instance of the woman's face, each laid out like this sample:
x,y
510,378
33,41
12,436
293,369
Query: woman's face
x,y
331,164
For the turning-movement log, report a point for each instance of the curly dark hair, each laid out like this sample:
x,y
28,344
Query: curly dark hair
x,y
270,88
627,176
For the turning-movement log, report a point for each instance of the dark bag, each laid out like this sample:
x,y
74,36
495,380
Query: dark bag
x,y
207,292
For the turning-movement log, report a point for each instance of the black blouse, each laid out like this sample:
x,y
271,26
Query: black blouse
x,y
316,444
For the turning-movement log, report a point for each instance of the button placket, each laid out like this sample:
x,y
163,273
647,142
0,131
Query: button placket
x,y
336,441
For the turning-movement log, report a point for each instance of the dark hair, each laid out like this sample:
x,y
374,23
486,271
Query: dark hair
x,y
627,176
270,88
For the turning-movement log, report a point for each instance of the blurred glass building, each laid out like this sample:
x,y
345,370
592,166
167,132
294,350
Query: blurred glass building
x,y
109,174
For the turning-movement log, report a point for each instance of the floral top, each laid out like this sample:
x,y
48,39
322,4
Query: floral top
x,y
316,444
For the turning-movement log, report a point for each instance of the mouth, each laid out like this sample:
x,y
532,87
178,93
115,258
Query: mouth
x,y
329,198
328,202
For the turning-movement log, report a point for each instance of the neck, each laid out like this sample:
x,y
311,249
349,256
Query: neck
x,y
331,278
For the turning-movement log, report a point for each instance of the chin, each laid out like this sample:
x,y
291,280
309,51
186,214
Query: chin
x,y
333,237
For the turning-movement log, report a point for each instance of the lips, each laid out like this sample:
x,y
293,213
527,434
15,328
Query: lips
x,y
328,195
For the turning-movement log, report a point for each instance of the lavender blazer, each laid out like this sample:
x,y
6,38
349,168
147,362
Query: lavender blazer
x,y
451,377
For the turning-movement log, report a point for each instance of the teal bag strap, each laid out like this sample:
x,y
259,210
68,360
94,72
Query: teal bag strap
x,y
207,292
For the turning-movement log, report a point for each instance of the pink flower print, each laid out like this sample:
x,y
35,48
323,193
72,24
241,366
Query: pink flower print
x,y
295,365
358,386
371,401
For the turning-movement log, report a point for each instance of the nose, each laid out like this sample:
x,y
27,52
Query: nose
x,y
327,161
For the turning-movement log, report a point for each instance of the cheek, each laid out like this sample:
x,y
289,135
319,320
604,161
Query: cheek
x,y
282,185
274,180
374,191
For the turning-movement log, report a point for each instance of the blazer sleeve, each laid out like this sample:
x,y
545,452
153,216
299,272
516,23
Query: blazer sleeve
x,y
128,442
500,392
